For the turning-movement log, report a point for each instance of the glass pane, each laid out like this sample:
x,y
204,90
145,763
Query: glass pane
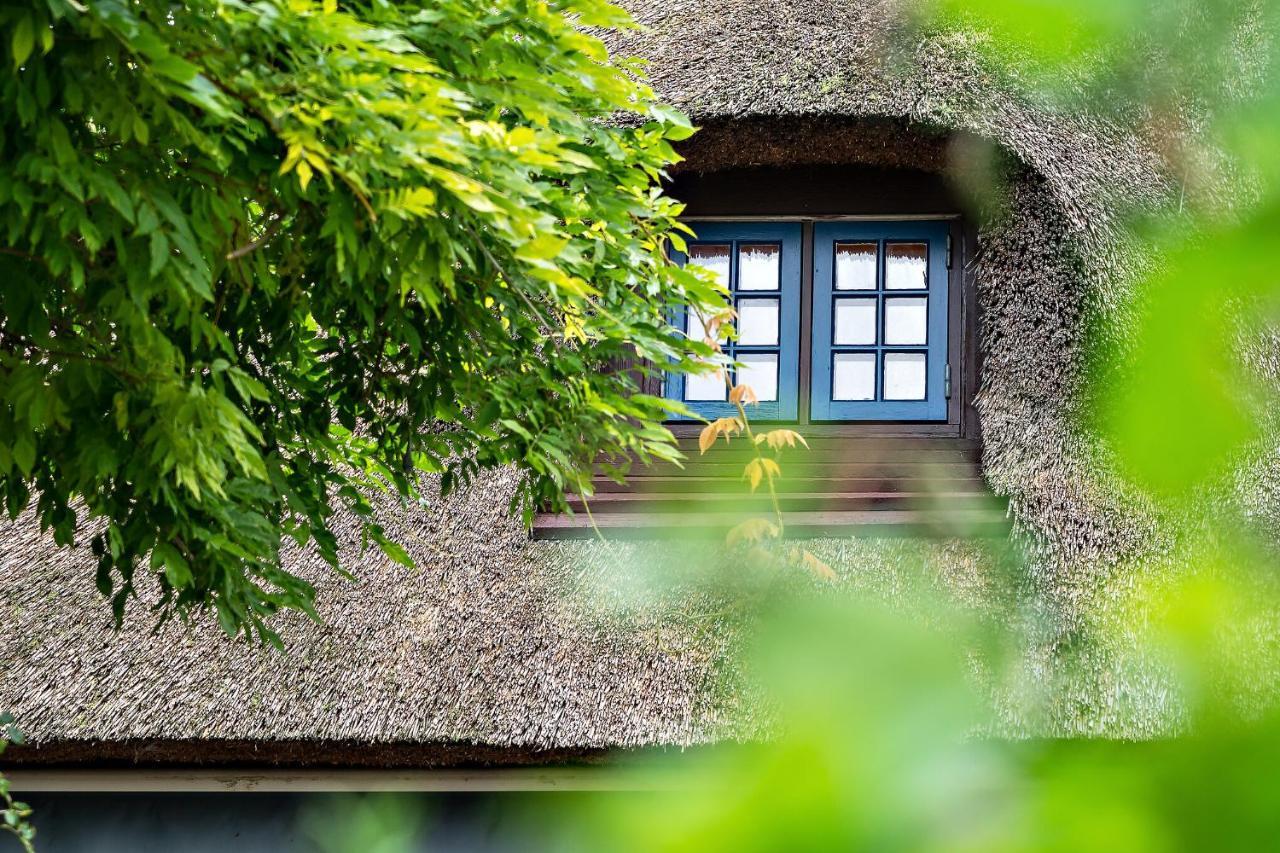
x,y
904,376
714,257
855,321
906,266
758,267
906,321
760,371
705,386
854,376
758,322
855,266
697,330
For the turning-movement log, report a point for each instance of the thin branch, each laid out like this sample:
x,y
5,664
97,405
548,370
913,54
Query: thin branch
x,y
746,428
266,235
18,253
586,506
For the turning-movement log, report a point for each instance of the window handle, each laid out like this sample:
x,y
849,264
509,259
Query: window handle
x,y
946,381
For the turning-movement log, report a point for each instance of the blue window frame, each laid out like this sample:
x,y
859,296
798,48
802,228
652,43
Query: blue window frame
x,y
759,263
879,321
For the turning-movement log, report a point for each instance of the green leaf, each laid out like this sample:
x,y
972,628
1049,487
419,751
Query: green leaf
x,y
24,454
23,40
395,552
177,572
159,252
544,246
176,569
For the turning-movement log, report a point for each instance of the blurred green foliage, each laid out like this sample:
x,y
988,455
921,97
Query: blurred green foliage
x,y
884,716
259,257
883,743
388,823
14,814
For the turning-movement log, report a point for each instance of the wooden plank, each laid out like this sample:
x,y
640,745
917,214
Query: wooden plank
x,y
692,484
859,443
960,523
762,503
842,451
797,470
842,485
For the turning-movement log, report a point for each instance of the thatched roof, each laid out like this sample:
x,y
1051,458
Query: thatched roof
x,y
491,642
496,649
497,643
737,58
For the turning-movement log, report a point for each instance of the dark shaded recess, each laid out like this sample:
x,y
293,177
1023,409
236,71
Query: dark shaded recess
x,y
792,140
832,190
162,822
154,753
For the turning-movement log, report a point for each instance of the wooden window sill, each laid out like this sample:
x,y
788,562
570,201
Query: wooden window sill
x,y
871,486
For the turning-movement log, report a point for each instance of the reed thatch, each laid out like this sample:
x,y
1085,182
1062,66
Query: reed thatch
x,y
498,648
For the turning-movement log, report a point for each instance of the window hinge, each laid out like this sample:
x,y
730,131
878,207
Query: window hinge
x,y
946,381
948,251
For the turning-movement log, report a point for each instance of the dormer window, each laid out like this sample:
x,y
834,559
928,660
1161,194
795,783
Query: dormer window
x,y
875,344
857,322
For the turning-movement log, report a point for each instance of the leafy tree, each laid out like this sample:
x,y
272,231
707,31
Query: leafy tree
x,y
259,257
14,814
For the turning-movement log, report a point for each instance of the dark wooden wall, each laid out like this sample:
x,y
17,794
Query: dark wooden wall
x,y
816,191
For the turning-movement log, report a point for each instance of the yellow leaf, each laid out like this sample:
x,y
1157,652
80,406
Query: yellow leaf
x,y
751,530
729,426
573,329
304,174
743,394
778,438
818,567
720,426
707,437
759,468
317,161
292,156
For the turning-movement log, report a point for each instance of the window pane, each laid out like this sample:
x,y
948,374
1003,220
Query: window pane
x,y
854,376
758,322
855,266
760,371
714,257
697,330
906,321
906,266
705,386
759,267
904,376
855,321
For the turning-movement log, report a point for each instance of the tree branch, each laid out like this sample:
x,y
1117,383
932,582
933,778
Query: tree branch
x,y
254,245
